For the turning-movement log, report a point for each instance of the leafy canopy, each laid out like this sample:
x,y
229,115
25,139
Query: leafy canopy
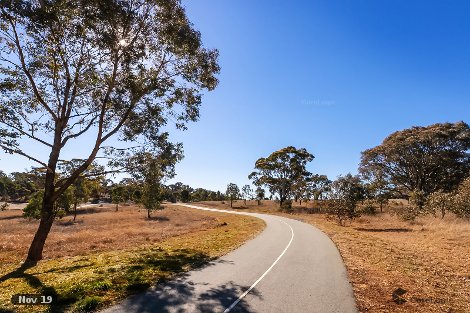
x,y
100,67
282,170
424,159
232,192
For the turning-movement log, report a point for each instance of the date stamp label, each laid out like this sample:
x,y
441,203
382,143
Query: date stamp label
x,y
32,299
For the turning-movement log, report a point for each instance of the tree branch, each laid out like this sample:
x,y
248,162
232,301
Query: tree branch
x,y
27,73
19,152
67,138
28,135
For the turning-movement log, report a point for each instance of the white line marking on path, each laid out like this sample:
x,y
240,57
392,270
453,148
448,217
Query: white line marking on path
x,y
265,273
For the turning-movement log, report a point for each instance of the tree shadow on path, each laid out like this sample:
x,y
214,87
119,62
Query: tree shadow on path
x,y
182,296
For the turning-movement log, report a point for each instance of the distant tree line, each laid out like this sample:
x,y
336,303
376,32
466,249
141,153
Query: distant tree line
x,y
428,166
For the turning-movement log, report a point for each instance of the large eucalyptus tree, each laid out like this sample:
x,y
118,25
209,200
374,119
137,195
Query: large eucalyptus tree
x,y
282,170
98,69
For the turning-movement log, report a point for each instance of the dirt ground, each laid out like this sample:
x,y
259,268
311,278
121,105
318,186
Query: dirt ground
x,y
429,258
98,229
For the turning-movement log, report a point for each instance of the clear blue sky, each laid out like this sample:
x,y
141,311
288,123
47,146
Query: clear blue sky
x,y
334,77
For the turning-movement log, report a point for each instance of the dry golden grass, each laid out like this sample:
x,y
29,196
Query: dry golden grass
x,y
429,258
98,229
108,255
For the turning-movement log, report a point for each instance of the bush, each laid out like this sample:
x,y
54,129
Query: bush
x,y
416,207
462,200
33,209
286,206
440,202
3,206
368,210
62,205
342,210
306,210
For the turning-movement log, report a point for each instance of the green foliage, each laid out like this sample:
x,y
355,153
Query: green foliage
x,y
3,206
260,193
462,200
6,185
33,208
282,170
61,207
232,192
88,304
65,202
81,190
368,209
200,194
247,193
377,187
117,194
417,206
286,206
151,196
102,285
318,186
20,186
178,192
98,69
440,202
185,195
424,159
346,192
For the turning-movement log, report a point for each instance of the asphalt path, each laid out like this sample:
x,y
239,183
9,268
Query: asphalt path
x,y
290,267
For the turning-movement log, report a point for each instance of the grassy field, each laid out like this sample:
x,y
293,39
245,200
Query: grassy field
x,y
429,258
108,255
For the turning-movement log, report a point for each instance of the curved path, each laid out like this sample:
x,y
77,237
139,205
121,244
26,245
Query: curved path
x,y
290,267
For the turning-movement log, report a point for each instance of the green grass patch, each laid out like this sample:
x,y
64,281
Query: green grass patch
x,y
87,283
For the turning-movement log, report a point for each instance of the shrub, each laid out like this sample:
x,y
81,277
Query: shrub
x,y
33,209
3,206
341,211
440,202
61,207
462,200
286,206
346,192
368,210
416,207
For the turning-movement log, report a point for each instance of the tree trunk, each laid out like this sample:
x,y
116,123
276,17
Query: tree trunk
x,y
231,201
443,212
37,246
244,201
117,207
381,207
259,202
47,210
148,214
300,202
74,211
